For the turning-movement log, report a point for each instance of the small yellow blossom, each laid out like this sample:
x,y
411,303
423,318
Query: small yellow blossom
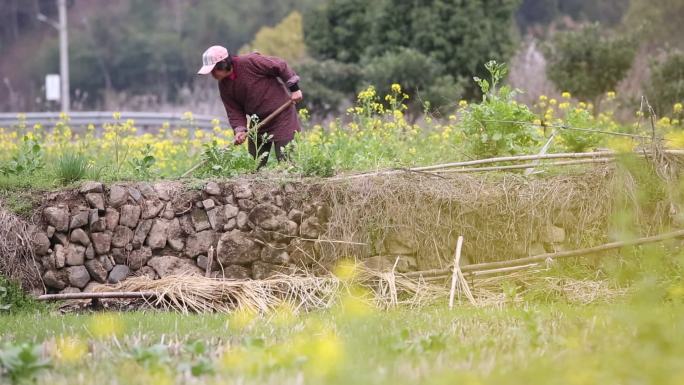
x,y
566,95
677,108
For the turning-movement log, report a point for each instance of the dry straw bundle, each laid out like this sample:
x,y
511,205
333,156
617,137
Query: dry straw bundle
x,y
17,260
382,290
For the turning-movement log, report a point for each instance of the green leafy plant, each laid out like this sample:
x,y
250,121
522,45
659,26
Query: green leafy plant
x,y
4,306
72,167
311,159
21,363
498,125
13,298
580,141
433,342
154,356
224,161
200,365
143,165
27,161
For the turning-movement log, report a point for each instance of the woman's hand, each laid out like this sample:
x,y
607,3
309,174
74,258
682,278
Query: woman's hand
x,y
240,138
296,96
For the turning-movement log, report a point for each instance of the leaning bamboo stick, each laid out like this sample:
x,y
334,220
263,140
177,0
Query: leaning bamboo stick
x,y
479,273
544,257
454,276
525,166
112,294
517,158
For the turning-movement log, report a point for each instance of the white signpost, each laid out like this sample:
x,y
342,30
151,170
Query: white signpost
x,y
52,87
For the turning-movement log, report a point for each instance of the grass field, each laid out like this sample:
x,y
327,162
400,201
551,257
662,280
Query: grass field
x,y
637,338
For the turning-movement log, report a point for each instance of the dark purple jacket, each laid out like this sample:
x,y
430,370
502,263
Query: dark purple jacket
x,y
259,87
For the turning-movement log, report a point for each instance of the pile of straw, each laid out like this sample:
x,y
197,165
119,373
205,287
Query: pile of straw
x,y
382,290
17,260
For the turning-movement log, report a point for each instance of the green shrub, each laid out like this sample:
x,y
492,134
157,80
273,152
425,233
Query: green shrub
x,y
498,125
72,167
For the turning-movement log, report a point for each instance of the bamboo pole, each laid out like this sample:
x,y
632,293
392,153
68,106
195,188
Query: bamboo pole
x,y
525,166
99,295
543,151
518,158
544,257
454,276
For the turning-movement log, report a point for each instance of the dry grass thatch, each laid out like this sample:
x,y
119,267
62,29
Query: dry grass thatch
x,y
494,213
500,215
17,260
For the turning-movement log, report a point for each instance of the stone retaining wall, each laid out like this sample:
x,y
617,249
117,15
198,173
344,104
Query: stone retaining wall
x,y
104,234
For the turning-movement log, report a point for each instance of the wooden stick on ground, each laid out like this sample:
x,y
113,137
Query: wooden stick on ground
x,y
454,276
102,295
210,262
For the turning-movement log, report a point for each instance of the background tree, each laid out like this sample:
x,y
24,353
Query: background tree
x,y
339,29
285,40
327,84
658,22
666,85
437,42
588,63
544,12
420,76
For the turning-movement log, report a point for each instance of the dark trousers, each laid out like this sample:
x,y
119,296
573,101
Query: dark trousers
x,y
263,147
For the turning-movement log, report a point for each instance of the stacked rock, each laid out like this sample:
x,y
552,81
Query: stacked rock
x,y
231,230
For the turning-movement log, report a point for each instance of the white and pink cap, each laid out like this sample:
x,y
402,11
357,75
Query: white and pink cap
x,y
210,57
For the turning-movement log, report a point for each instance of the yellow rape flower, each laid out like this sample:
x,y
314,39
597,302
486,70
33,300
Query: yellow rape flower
x,y
566,95
463,103
70,349
677,108
396,88
610,95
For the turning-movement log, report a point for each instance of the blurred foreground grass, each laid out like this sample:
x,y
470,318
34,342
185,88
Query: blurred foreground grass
x,y
631,341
